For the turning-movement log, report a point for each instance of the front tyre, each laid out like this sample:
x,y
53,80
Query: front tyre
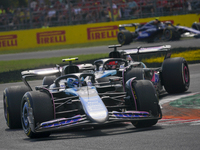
x,y
12,97
175,75
143,98
36,107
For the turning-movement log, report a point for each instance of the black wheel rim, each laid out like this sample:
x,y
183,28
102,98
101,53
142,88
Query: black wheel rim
x,y
121,38
25,123
185,74
167,34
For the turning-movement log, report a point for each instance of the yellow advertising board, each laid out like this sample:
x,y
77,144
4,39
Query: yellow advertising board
x,y
78,33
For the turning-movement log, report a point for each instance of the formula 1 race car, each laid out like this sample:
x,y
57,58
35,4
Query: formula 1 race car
x,y
154,31
120,62
172,76
73,101
111,90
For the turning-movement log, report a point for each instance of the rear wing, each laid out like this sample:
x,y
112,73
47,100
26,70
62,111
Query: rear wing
x,y
143,50
122,26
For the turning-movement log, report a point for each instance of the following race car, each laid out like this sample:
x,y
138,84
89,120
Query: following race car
x,y
154,31
72,100
172,76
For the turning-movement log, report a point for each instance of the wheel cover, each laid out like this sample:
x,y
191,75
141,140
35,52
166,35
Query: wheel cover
x,y
168,34
25,122
121,38
185,75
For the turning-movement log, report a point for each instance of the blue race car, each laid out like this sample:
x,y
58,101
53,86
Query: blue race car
x,y
154,31
73,100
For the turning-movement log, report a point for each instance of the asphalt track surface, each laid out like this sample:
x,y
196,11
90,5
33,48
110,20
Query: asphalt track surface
x,y
94,50
173,134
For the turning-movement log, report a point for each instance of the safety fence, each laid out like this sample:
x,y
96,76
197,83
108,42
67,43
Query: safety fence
x,y
75,34
74,12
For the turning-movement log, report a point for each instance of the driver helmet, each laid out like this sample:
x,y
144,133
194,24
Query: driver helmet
x,y
112,65
71,82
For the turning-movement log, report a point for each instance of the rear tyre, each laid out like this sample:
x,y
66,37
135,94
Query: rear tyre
x,y
144,102
42,110
48,80
175,75
124,37
134,72
170,34
12,97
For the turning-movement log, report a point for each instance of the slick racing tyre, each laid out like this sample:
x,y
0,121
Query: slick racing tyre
x,y
12,97
175,75
134,72
36,107
144,102
48,80
171,34
124,37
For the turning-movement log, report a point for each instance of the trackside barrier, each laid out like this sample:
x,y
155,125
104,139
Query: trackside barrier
x,y
23,39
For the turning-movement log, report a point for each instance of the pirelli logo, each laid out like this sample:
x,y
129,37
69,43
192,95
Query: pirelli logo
x,y
51,37
8,40
102,32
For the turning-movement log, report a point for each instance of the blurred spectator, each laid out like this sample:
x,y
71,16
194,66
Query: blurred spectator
x,y
10,10
188,5
133,6
33,5
122,5
2,10
27,16
116,11
42,12
177,6
169,7
41,2
76,14
103,14
3,16
161,6
85,8
45,26
148,7
197,5
1,21
51,14
22,15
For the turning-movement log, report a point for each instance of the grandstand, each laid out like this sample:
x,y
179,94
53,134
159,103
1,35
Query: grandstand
x,y
41,13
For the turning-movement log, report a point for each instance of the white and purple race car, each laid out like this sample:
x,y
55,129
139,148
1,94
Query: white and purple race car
x,y
73,100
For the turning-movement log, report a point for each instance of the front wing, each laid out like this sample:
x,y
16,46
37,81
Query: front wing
x,y
82,120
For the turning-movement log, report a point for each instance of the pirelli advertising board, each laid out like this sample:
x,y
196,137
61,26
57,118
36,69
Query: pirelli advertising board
x,y
78,33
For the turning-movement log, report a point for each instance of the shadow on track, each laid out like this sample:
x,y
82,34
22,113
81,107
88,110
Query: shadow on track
x,y
105,130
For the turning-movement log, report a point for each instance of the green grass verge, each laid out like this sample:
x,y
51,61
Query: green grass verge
x,y
69,46
10,71
6,66
189,55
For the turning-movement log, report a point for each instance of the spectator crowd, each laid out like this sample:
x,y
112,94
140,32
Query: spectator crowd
x,y
43,13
